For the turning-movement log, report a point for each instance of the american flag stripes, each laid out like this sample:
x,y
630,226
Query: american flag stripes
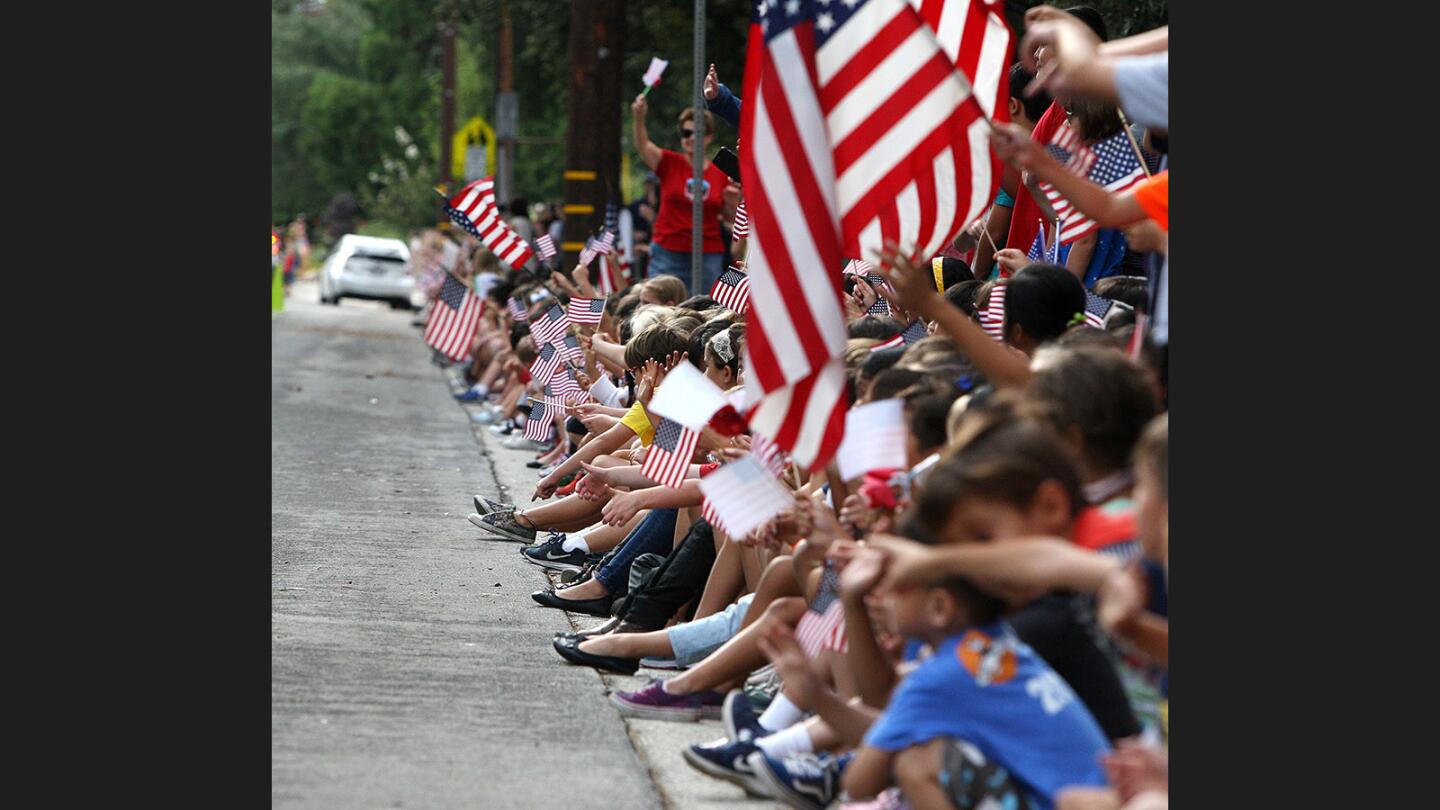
x,y
816,630
516,310
905,89
453,319
668,459
655,71
768,454
583,311
1116,168
881,306
859,267
992,320
476,204
550,325
563,386
1065,147
894,342
874,439
539,420
545,246
707,511
742,222
732,290
744,495
1040,251
546,361
570,350
597,247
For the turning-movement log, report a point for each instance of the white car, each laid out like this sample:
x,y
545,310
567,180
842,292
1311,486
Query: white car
x,y
369,267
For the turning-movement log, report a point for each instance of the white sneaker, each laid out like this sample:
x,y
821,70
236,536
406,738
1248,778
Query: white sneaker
x,y
483,417
519,442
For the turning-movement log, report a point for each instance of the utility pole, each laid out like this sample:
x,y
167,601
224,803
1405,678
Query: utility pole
x,y
507,113
592,135
447,101
697,160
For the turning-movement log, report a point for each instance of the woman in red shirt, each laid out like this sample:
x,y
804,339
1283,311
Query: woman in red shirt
x,y
671,240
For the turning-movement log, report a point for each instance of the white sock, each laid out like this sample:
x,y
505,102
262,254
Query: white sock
x,y
793,740
781,713
574,541
480,389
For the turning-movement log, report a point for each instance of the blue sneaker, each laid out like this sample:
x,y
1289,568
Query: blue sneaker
x,y
726,759
807,781
470,395
742,722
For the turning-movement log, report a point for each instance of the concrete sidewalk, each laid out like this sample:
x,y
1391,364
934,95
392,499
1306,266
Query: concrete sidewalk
x,y
658,742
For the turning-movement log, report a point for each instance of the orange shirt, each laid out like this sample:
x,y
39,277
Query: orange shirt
x,y
1153,194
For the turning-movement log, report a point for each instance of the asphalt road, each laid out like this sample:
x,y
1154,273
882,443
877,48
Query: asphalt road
x,y
409,668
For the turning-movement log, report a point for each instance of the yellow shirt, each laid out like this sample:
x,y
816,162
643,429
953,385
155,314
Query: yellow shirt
x,y
637,420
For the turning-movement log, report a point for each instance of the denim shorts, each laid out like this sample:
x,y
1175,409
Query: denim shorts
x,y
692,641
670,263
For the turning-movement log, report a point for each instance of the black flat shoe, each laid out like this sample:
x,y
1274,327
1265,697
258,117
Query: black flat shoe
x,y
570,651
594,607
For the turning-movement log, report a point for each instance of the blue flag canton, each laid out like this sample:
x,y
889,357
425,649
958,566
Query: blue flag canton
x,y
612,217
731,277
1114,159
1097,306
778,16
571,343
829,589
555,314
453,293
537,410
915,331
595,306
667,435
463,221
547,352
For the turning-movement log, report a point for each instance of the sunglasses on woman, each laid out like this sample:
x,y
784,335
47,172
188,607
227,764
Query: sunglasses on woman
x,y
687,133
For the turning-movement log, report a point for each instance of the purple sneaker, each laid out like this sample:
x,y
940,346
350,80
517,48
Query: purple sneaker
x,y
654,703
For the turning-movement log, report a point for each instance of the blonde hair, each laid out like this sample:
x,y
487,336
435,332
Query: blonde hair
x,y
668,289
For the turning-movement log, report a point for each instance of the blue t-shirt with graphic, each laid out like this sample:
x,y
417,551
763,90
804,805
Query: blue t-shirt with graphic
x,y
988,687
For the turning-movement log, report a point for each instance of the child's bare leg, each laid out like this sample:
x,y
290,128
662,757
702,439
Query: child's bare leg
x,y
726,578
569,514
777,582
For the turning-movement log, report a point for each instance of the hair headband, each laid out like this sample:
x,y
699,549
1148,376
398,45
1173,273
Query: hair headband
x,y
937,264
720,343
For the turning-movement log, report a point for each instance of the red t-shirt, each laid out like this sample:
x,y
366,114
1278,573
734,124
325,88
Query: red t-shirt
x,y
1025,216
672,223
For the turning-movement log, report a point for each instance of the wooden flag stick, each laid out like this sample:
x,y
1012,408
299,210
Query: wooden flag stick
x,y
1130,136
986,230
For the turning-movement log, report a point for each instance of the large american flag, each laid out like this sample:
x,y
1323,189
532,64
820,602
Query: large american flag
x,y
669,456
858,128
732,290
584,311
475,205
1115,167
453,319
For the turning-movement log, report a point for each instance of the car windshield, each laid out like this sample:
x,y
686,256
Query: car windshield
x,y
376,264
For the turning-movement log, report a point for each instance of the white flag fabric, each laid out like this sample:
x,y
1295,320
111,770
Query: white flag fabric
x,y
874,439
449,255
652,73
687,396
744,495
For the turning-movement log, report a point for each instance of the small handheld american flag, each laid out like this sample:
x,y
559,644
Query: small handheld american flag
x,y
539,420
545,246
654,72
569,347
732,290
550,325
742,222
992,320
669,457
881,306
516,310
453,319
745,495
1041,252
1114,167
585,311
824,617
916,331
894,342
1097,309
546,361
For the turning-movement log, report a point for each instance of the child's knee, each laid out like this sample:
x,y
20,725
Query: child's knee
x,y
786,609
918,765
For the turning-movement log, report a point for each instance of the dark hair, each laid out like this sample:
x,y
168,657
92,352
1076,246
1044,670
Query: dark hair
x,y
699,303
982,607
1036,105
1092,18
880,360
953,271
701,336
1083,334
1006,463
1132,290
500,292
1044,299
872,326
962,295
519,206
892,381
517,331
1093,120
1100,392
926,414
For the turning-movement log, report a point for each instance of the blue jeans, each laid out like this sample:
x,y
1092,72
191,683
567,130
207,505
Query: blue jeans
x,y
692,641
654,535
670,263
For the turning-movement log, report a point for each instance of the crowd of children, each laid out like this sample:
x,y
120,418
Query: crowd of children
x,y
982,624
